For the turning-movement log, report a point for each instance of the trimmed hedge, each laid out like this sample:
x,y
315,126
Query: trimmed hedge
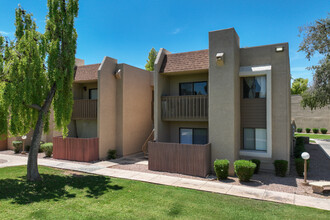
x,y
281,167
324,130
47,148
18,145
221,168
257,162
308,130
299,130
299,148
299,162
244,169
315,130
112,154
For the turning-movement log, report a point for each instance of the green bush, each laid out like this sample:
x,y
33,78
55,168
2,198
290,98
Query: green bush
x,y
18,145
47,148
308,130
299,130
244,169
281,166
257,162
324,130
112,154
221,168
315,130
299,148
299,162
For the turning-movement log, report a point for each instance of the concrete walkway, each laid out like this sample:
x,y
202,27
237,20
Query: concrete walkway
x,y
325,146
100,168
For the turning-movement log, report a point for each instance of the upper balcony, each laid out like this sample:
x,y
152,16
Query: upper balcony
x,y
84,109
185,108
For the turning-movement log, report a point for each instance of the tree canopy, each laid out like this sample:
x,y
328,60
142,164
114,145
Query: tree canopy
x,y
299,86
151,60
36,71
316,41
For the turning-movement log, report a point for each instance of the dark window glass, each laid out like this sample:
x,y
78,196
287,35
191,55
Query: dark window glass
x,y
254,87
186,89
193,88
200,136
255,139
200,88
193,136
93,94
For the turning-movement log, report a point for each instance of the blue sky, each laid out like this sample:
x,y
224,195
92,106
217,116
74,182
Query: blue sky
x,y
127,30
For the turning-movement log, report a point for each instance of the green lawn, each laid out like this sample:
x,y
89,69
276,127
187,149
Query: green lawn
x,y
314,136
62,195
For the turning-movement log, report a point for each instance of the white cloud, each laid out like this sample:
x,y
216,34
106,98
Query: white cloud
x,y
176,31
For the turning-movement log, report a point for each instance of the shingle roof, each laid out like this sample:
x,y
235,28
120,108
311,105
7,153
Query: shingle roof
x,y
86,72
188,61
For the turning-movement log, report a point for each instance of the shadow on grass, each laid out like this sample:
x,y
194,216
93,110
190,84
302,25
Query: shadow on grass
x,y
54,187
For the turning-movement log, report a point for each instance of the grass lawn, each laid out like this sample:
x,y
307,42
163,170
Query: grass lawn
x,y
314,136
63,195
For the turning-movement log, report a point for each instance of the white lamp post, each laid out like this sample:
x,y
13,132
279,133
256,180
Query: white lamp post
x,y
305,156
23,138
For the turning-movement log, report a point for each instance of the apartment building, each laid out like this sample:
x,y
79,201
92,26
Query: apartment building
x,y
237,100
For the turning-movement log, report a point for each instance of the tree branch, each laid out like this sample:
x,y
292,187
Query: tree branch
x,y
34,106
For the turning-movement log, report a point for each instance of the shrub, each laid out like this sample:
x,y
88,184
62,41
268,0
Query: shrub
x,y
308,130
299,162
299,130
324,130
221,169
257,162
112,154
244,169
47,148
299,147
315,130
18,145
281,166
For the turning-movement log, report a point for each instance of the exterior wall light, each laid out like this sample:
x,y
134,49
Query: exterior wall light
x,y
118,74
279,49
220,59
305,156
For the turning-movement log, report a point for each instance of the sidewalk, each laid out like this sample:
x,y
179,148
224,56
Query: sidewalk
x,y
100,168
325,146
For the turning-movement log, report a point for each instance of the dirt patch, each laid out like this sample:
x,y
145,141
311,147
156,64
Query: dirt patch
x,y
3,161
73,173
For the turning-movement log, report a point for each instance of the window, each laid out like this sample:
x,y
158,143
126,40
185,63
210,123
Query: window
x,y
254,87
193,136
255,139
193,88
93,94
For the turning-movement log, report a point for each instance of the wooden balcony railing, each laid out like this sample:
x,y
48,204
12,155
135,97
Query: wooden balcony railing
x,y
84,109
185,108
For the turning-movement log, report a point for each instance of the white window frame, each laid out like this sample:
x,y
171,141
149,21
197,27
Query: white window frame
x,y
264,70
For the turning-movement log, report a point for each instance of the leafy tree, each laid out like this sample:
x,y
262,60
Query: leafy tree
x,y
151,60
36,71
316,40
299,86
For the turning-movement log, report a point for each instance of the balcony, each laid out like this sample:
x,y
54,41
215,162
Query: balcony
x,y
84,109
185,108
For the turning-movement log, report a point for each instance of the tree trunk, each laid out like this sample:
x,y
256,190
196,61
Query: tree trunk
x,y
32,166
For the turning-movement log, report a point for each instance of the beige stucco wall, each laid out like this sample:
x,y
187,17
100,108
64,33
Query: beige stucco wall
x,y
224,106
106,111
280,94
80,93
136,100
306,118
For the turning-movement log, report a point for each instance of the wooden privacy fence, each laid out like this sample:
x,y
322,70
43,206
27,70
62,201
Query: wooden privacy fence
x,y
78,149
192,108
3,142
84,109
190,159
